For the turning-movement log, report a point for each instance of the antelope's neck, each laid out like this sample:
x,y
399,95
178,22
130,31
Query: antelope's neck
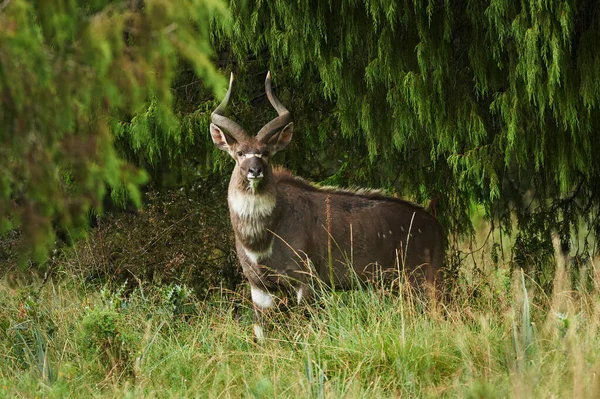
x,y
251,207
252,215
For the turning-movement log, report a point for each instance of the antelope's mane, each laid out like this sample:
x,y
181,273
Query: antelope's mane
x,y
284,176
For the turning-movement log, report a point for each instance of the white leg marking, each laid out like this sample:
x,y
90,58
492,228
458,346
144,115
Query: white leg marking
x,y
300,294
258,332
256,257
390,231
260,298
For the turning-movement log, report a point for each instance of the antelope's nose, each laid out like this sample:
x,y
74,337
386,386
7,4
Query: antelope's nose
x,y
255,172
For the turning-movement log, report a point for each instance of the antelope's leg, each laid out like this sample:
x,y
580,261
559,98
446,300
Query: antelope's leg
x,y
262,301
304,295
305,299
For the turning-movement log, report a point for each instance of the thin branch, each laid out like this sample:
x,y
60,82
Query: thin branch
x,y
480,248
4,4
185,86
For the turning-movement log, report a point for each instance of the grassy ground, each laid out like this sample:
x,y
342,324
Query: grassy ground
x,y
495,339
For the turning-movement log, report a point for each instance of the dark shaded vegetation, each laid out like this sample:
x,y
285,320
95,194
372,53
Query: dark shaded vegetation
x,y
179,236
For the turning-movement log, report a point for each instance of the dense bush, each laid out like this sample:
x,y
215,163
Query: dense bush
x,y
179,236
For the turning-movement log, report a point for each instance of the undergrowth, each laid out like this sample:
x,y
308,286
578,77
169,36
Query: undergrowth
x,y
178,237
498,336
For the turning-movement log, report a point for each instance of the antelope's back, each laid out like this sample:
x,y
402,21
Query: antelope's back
x,y
390,233
360,228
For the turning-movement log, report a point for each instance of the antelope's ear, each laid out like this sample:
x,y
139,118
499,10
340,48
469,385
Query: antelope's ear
x,y
222,140
280,140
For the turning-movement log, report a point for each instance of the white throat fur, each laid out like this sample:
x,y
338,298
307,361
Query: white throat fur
x,y
251,205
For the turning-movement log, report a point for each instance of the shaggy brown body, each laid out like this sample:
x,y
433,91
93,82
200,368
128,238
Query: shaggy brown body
x,y
367,231
293,235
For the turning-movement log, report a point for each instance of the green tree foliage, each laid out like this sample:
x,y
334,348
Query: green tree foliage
x,y
72,76
462,103
471,102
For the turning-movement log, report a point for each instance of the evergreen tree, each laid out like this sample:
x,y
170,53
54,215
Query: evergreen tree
x,y
70,73
470,103
465,104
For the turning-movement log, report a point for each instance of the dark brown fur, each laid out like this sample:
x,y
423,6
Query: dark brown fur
x,y
291,234
360,225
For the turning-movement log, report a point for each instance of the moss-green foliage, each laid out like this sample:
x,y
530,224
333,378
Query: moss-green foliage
x,y
487,103
105,340
69,72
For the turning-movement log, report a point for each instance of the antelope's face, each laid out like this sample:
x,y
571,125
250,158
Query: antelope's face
x,y
253,163
252,154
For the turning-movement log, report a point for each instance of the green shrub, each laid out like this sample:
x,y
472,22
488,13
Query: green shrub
x,y
108,342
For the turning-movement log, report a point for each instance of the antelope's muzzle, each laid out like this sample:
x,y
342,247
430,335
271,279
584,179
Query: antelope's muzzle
x,y
255,169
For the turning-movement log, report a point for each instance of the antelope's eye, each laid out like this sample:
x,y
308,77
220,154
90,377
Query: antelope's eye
x,y
265,153
240,153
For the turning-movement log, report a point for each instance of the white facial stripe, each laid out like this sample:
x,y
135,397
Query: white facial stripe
x,y
256,257
260,298
253,155
248,205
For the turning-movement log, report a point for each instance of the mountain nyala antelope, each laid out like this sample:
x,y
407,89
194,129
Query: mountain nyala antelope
x,y
290,233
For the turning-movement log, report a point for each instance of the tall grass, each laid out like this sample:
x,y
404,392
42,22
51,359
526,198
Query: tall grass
x,y
499,336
